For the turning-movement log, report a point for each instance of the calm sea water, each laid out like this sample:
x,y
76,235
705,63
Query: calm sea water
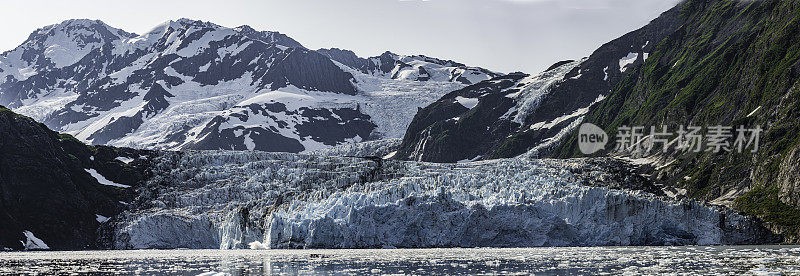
x,y
773,260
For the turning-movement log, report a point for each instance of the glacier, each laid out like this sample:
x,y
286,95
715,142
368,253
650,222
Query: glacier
x,y
231,200
380,148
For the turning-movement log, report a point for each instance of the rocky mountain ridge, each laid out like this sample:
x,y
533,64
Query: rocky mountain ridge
x,y
528,114
190,84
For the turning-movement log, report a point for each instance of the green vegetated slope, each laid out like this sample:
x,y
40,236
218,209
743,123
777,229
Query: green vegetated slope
x,y
730,58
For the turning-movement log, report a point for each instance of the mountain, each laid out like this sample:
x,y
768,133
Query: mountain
x,y
702,63
190,84
58,193
195,85
55,192
518,113
732,63
418,68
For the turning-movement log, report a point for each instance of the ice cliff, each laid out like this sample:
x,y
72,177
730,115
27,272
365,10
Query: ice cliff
x,y
224,199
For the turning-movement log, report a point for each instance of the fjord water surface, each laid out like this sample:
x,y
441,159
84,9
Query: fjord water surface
x,y
773,260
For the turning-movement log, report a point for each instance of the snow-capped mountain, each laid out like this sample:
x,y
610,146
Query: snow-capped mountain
x,y
527,114
107,197
189,84
420,68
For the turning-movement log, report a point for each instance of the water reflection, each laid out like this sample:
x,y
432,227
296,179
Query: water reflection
x,y
547,261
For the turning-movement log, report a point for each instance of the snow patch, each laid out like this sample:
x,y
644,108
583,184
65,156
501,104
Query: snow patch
x,y
535,88
627,60
469,103
124,159
754,111
103,181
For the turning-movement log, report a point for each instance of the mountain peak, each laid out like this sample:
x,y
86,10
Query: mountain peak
x,y
64,43
269,37
80,25
80,22
191,22
183,23
389,54
245,29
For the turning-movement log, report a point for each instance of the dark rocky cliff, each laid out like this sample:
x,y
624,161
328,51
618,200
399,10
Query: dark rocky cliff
x,y
45,188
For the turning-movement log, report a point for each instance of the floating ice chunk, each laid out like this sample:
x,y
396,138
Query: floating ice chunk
x,y
761,270
103,181
768,260
213,273
256,245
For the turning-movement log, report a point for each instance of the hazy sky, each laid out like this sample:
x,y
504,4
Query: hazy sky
x,y
501,35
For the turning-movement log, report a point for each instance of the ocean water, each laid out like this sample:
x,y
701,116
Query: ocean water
x,y
728,260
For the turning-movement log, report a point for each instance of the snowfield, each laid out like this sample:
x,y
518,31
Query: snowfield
x,y
226,199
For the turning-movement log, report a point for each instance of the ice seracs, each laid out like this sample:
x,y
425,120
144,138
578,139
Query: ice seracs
x,y
224,199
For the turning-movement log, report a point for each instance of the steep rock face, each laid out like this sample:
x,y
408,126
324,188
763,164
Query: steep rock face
x,y
732,63
311,71
49,199
518,113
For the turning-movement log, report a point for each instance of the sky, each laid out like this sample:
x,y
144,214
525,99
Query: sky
x,y
500,35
